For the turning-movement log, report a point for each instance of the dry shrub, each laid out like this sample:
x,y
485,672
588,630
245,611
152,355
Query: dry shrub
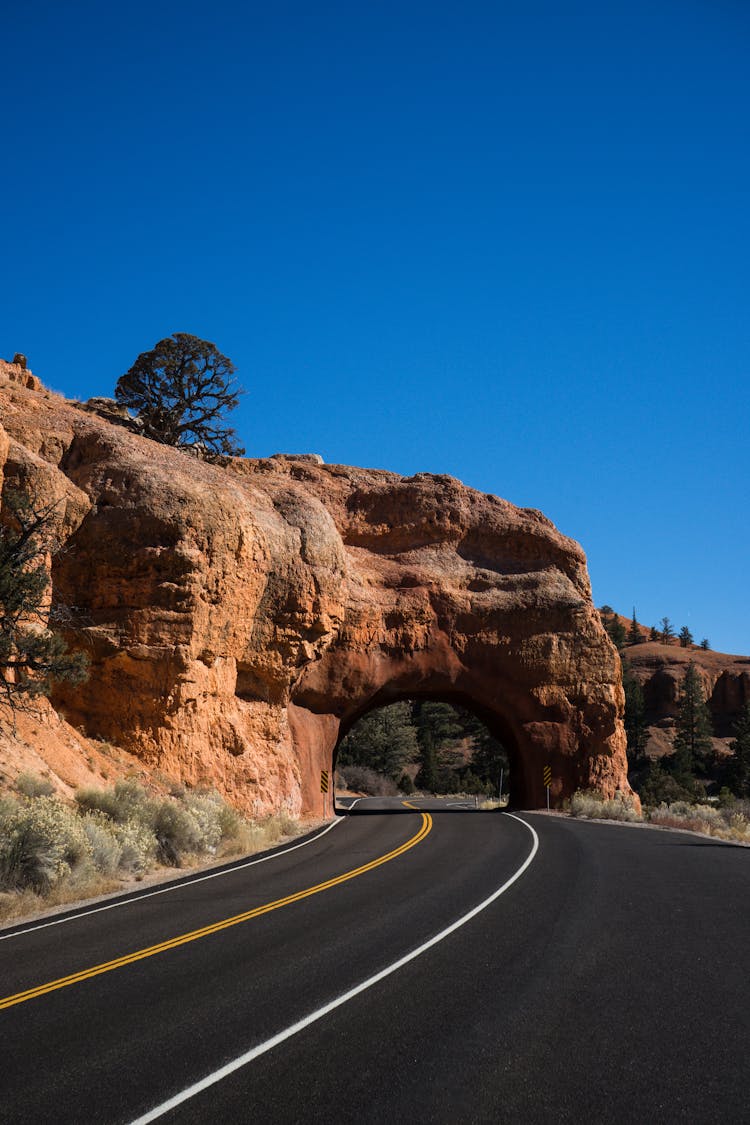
x,y
361,779
32,785
125,801
729,823
216,819
139,847
106,849
591,805
42,842
51,853
259,835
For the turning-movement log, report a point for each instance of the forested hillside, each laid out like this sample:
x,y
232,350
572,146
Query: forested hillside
x,y
420,744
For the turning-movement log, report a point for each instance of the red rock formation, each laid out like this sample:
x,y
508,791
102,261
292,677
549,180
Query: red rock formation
x,y
660,669
240,619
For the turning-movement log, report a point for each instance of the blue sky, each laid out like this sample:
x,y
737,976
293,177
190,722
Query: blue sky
x,y
506,241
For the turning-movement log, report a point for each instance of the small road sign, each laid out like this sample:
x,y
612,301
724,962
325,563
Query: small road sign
x,y
324,781
547,775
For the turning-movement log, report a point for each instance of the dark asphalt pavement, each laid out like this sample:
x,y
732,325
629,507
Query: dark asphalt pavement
x,y
608,984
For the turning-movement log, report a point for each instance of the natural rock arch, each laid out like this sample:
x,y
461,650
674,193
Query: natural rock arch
x,y
238,616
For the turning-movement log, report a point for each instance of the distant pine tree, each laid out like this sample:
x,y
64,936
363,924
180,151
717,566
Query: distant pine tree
x,y
614,627
705,645
634,632
490,759
693,744
429,774
738,769
635,716
667,630
383,740
653,634
686,637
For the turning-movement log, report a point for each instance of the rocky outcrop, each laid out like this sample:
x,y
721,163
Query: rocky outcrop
x,y
239,619
17,372
660,669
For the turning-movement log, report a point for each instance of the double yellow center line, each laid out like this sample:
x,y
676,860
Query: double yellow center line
x,y
215,927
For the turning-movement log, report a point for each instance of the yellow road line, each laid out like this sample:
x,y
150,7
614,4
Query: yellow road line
x,y
215,927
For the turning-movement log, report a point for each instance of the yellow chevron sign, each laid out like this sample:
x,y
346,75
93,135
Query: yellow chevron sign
x,y
324,781
547,775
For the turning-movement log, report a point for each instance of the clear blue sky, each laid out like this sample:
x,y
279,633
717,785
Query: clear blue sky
x,y
506,241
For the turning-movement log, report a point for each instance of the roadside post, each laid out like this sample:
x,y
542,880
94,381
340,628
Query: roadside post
x,y
324,784
501,783
547,782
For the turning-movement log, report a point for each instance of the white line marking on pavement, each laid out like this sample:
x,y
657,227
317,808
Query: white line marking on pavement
x,y
313,1017
176,886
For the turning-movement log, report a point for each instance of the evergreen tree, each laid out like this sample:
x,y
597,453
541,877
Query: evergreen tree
x,y
453,748
705,645
181,390
655,785
693,744
32,655
616,631
635,716
488,759
383,740
634,632
667,631
439,730
686,637
429,776
653,634
738,768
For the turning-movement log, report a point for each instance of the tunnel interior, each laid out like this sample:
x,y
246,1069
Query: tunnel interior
x,y
439,744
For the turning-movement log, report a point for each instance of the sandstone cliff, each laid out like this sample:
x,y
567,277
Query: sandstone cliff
x,y
660,669
240,618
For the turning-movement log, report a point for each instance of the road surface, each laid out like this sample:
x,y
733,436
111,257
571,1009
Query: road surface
x,y
603,977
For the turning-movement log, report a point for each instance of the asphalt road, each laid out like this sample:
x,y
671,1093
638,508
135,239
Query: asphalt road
x,y
607,983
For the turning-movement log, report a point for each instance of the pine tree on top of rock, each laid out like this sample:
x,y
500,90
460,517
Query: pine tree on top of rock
x,y
181,390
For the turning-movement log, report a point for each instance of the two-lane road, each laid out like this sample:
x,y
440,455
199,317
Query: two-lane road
x,y
604,977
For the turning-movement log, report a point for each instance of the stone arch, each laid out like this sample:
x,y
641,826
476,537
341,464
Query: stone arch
x,y
572,727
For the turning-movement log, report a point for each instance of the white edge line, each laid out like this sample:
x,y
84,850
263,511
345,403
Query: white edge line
x,y
177,886
313,1017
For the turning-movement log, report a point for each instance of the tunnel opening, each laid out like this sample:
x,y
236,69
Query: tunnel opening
x,y
437,745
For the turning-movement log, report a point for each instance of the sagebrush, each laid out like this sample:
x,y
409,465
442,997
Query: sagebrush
x,y
51,849
591,805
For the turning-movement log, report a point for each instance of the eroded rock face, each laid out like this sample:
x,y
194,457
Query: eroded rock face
x,y
241,619
661,668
